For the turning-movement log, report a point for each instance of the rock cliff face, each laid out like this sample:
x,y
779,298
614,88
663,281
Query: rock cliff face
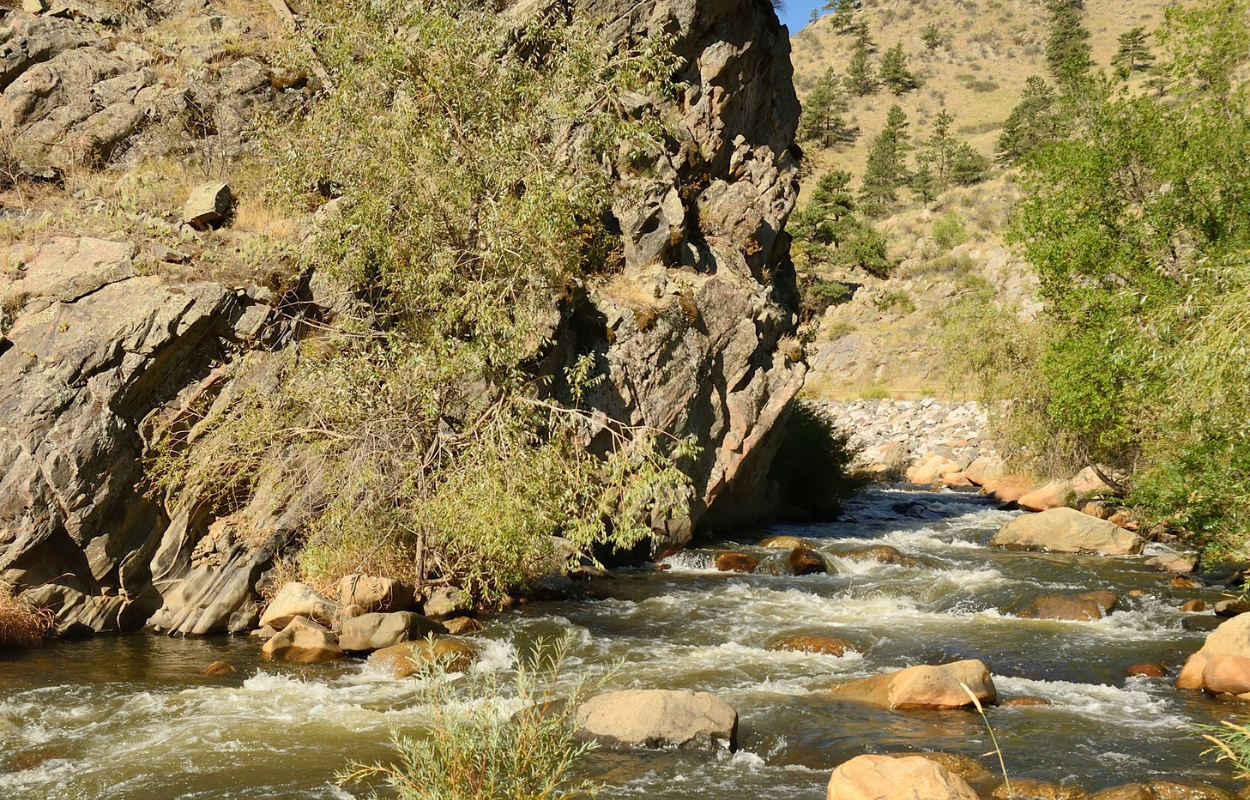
x,y
96,359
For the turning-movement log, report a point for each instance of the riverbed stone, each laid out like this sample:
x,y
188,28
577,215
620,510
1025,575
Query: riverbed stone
x,y
804,561
1053,494
1066,530
1025,702
219,669
1037,790
299,600
1081,607
882,554
374,594
984,471
1146,670
448,601
659,718
1230,639
415,658
736,562
784,542
458,626
812,643
925,687
933,470
303,641
376,631
873,777
1195,605
966,767
1225,674
1172,562
1231,607
1184,790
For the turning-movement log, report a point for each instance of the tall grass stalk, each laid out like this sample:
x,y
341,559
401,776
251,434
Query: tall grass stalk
x,y
998,751
1232,742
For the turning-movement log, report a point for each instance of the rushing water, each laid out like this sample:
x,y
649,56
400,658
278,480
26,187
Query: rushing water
x,y
133,718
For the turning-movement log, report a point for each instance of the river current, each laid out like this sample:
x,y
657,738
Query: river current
x,y
133,718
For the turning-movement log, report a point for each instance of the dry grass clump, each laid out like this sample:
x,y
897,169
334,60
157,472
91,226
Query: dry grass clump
x,y
21,624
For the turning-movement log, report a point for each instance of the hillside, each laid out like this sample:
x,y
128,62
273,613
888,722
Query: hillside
x,y
885,340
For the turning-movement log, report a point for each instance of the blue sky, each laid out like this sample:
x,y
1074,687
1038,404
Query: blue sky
x,y
796,13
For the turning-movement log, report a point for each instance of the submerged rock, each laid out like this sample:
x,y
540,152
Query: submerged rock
x,y
812,643
784,543
803,561
1037,790
1065,530
659,718
925,687
458,626
414,658
1163,790
887,778
882,554
218,669
303,641
736,562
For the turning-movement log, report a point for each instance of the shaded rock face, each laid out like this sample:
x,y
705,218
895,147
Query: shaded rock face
x,y
96,363
690,335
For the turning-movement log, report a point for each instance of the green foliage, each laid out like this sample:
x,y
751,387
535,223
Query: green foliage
x,y
1133,54
1138,226
925,184
1232,742
472,748
867,250
1068,52
472,164
821,120
843,17
948,230
886,168
818,295
861,78
811,465
968,167
895,300
1205,44
894,73
827,231
931,36
1033,123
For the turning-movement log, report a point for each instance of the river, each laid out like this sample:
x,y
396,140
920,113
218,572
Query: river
x,y
133,718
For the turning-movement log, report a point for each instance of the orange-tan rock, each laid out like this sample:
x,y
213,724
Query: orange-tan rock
x,y
872,777
925,687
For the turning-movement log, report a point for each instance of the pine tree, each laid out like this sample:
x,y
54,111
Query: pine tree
x,y
843,14
1032,123
894,72
1134,53
886,169
968,167
821,120
829,217
924,183
867,251
860,78
940,147
815,17
932,36
1067,50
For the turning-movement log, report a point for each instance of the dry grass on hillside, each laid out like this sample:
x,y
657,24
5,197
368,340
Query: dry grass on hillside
x,y
989,48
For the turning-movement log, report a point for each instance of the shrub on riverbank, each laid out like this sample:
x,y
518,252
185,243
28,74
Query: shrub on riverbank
x,y
1138,225
21,624
812,465
471,162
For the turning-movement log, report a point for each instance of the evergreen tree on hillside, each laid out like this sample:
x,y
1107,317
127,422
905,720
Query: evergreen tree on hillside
x,y
1134,54
843,14
886,169
815,17
894,72
925,184
940,148
931,36
828,219
968,167
821,120
1067,49
860,77
1032,123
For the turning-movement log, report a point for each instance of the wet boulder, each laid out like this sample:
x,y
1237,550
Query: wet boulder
x,y
299,600
812,643
448,601
1224,660
219,669
381,595
1025,702
303,641
872,777
882,554
659,718
1163,790
966,767
1193,606
784,543
803,561
1172,562
1065,530
1146,670
1082,607
414,658
1231,608
925,687
376,631
458,626
736,562
1037,790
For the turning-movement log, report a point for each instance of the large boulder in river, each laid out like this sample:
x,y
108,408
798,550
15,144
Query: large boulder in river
x,y
299,600
303,641
1066,530
373,594
376,631
872,777
1081,607
812,643
659,718
1223,663
414,658
925,687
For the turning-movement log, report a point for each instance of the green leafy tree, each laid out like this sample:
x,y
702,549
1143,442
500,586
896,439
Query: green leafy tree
x,y
1206,44
861,78
931,36
1035,121
821,120
968,167
886,168
1068,51
1133,54
867,250
894,73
